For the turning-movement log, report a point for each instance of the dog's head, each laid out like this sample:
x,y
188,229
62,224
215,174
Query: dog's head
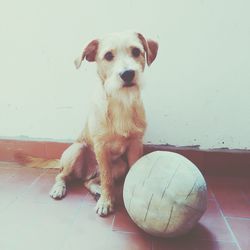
x,y
120,59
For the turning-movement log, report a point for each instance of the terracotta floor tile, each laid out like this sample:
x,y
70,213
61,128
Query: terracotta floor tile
x,y
91,220
7,197
127,241
241,229
210,194
87,240
124,223
108,240
212,225
25,176
89,229
43,184
192,244
39,191
29,225
18,182
231,195
30,219
5,173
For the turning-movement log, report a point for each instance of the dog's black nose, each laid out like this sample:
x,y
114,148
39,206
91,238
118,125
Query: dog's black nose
x,y
127,76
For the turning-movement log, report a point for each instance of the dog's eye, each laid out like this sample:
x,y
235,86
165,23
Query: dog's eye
x,y
136,52
109,56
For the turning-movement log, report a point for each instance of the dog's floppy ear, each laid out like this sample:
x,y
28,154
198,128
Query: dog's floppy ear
x,y
150,47
89,53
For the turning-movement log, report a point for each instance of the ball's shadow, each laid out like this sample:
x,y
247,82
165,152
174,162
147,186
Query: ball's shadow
x,y
200,237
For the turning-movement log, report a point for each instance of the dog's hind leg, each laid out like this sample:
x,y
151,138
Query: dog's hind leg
x,y
72,162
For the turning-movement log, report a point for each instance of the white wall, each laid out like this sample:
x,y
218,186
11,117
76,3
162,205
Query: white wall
x,y
197,91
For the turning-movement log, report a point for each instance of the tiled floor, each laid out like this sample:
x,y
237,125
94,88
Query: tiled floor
x,y
30,219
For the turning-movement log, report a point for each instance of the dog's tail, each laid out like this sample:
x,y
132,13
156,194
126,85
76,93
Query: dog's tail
x,y
36,162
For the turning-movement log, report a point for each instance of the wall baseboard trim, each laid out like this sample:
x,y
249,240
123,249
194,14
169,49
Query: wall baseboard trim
x,y
220,162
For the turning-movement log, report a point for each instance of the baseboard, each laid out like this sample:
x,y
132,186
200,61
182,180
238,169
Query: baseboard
x,y
211,162
220,162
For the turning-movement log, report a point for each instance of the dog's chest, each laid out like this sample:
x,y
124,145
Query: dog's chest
x,y
125,121
117,147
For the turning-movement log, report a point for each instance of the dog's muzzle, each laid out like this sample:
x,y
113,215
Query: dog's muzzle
x,y
127,77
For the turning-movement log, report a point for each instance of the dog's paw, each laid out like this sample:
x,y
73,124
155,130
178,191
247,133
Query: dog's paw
x,y
104,206
58,191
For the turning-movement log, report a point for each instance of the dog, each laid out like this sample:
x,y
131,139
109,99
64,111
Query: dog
x,y
115,126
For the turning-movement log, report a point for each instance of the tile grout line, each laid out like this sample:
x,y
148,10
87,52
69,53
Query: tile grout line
x,y
112,224
34,182
226,222
126,232
16,198
238,218
71,224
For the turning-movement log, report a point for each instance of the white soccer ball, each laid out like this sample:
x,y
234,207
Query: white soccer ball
x,y
165,194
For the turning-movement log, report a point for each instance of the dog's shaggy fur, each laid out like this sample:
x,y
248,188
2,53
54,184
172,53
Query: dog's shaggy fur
x,y
116,123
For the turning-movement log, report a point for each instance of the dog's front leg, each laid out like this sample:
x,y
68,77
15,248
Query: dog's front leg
x,y
105,205
135,151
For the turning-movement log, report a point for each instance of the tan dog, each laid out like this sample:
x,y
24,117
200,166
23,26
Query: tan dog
x,y
116,123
